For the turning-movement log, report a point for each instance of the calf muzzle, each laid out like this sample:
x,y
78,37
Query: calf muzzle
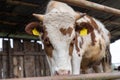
x,y
62,72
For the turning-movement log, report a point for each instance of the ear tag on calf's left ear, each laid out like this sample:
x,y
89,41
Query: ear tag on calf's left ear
x,y
83,32
35,32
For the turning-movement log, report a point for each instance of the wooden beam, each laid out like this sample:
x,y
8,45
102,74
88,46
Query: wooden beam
x,y
92,6
94,76
23,54
8,23
112,22
21,3
11,14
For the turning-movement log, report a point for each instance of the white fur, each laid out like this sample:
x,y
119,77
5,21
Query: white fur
x,y
76,62
55,6
53,21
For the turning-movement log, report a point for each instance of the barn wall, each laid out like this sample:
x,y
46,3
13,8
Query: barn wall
x,y
23,59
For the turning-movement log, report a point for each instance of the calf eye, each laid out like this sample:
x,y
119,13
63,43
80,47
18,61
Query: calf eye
x,y
47,42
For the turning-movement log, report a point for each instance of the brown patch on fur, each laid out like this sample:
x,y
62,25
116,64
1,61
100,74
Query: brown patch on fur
x,y
44,36
89,25
93,23
66,31
76,43
93,38
90,28
63,31
84,25
100,45
48,46
69,31
71,48
108,55
81,43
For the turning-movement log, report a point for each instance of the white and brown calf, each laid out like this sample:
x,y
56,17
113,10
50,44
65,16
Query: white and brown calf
x,y
71,40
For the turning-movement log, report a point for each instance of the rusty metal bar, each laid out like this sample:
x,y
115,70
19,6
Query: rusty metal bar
x,y
21,3
92,6
94,76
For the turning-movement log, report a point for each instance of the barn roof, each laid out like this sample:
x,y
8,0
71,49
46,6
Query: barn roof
x,y
15,14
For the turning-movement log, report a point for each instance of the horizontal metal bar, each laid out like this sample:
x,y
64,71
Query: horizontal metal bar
x,y
94,76
92,6
18,35
16,2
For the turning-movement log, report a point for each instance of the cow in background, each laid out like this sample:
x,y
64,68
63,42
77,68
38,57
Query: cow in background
x,y
71,39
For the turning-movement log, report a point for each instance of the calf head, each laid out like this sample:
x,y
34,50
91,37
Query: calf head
x,y
58,33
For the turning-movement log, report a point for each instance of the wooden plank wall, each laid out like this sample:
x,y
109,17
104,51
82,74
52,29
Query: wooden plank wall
x,y
24,59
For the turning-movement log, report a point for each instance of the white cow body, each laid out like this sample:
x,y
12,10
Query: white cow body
x,y
64,46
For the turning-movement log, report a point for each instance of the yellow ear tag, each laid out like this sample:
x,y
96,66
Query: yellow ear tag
x,y
83,32
35,32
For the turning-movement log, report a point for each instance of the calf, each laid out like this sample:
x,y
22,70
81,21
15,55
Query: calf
x,y
71,39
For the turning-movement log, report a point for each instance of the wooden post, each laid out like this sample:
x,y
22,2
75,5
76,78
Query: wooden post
x,y
92,6
18,70
6,60
29,61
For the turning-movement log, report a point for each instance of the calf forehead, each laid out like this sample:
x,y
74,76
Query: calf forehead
x,y
59,25
58,20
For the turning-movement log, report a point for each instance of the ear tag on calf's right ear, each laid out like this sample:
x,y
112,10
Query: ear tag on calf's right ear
x,y
83,32
35,32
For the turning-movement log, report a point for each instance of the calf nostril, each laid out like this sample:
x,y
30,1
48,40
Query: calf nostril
x,y
56,73
62,72
68,72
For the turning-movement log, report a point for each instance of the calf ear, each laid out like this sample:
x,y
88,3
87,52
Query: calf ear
x,y
84,26
34,28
